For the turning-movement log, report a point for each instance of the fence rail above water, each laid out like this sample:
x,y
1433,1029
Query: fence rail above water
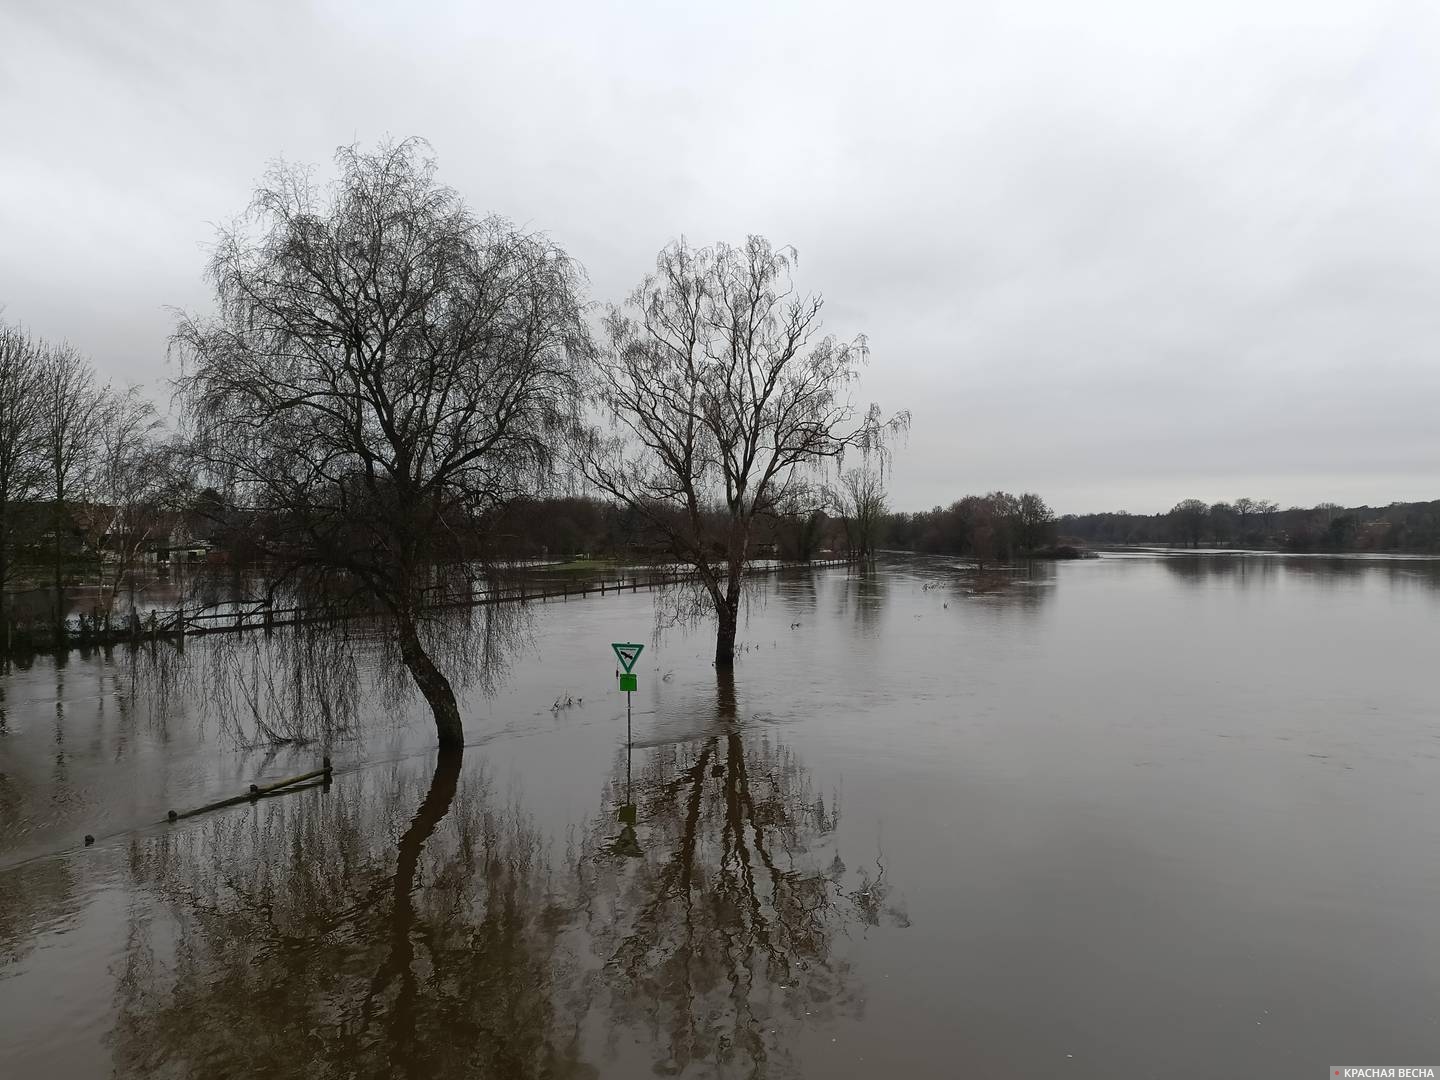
x,y
239,616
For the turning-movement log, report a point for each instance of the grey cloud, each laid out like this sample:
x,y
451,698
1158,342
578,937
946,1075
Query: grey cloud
x,y
1118,253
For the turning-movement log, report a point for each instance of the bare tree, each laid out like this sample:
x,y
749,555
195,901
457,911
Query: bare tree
x,y
21,463
1036,523
862,509
1005,520
1222,517
131,482
1187,521
977,513
724,399
385,369
1245,508
1267,509
70,407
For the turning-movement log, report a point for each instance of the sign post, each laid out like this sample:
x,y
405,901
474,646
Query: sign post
x,y
627,652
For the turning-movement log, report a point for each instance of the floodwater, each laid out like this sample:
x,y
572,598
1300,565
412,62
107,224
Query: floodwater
x,y
1145,816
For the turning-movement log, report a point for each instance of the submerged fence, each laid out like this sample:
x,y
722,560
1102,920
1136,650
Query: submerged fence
x,y
237,616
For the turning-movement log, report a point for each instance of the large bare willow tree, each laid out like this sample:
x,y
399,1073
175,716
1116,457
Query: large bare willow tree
x,y
726,401
385,369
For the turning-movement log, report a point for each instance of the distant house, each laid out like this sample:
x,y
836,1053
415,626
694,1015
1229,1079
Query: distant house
x,y
36,522
172,539
93,522
151,537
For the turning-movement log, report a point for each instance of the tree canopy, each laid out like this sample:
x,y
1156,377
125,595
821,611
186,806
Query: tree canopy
x,y
724,395
383,369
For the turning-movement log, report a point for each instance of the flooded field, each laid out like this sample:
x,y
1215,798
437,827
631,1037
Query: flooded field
x,y
1140,816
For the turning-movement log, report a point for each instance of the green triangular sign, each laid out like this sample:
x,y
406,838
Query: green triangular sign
x,y
628,652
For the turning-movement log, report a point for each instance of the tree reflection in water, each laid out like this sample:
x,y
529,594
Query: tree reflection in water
x,y
294,938
719,943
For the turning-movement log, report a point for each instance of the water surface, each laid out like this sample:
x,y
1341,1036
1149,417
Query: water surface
x,y
1135,816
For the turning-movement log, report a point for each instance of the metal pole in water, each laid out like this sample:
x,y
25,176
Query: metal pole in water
x,y
627,652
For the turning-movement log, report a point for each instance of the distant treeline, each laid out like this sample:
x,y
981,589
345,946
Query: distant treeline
x,y
987,528
86,469
1259,523
568,527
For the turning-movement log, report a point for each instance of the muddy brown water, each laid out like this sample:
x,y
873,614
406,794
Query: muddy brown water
x,y
1141,816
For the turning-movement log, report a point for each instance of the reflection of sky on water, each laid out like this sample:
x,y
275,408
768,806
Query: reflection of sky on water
x,y
1095,792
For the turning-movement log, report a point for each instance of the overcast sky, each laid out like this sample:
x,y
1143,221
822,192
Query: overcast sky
x,y
1116,253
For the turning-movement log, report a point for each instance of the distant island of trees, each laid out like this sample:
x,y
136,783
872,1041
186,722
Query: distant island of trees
x,y
1412,527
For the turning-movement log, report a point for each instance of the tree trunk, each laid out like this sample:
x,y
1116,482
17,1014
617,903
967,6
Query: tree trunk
x,y
728,613
59,573
4,566
725,696
433,684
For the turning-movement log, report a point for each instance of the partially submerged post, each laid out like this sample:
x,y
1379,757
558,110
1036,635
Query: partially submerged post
x,y
258,791
323,771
